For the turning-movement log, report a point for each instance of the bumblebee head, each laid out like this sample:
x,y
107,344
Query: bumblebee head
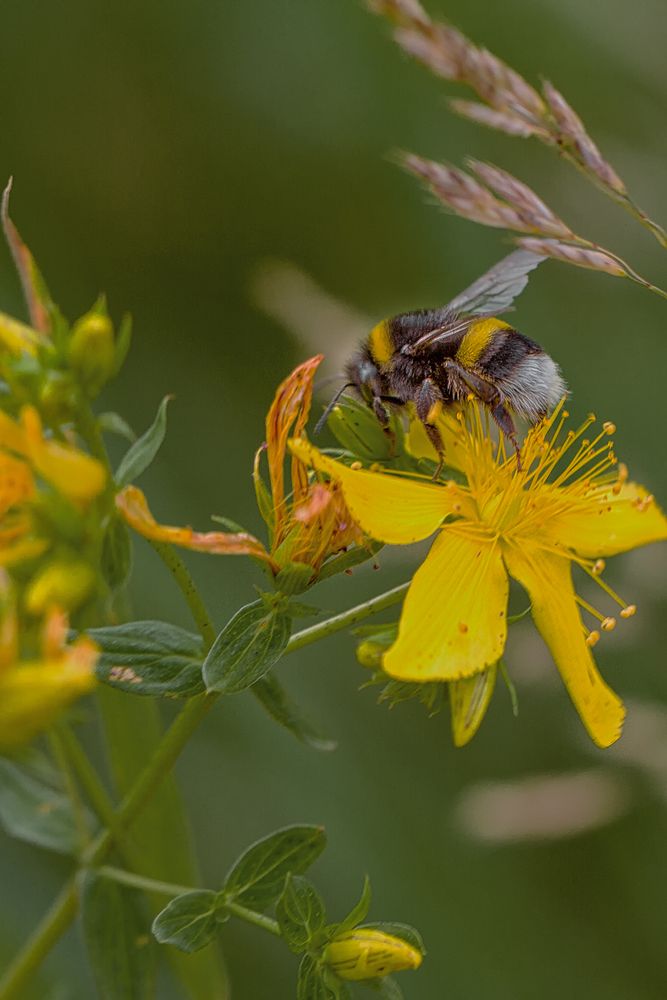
x,y
363,374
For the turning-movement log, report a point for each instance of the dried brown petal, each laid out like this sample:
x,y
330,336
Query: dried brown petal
x,y
464,195
597,260
502,121
530,207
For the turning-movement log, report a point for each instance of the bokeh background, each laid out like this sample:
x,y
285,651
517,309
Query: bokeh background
x,y
163,152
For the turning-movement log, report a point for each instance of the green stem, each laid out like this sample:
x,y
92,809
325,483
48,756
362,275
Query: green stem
x,y
143,882
54,923
347,618
189,590
89,429
78,812
88,777
171,745
252,917
168,889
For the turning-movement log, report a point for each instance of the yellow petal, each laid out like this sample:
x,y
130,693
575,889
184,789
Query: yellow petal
x,y
548,581
17,338
133,506
31,696
468,702
390,508
419,444
619,522
16,482
454,620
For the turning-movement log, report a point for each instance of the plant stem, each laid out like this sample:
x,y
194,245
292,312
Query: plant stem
x,y
174,740
168,889
347,618
143,882
252,917
88,777
54,923
189,590
64,765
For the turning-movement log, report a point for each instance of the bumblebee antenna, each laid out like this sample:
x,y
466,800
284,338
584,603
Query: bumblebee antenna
x,y
325,416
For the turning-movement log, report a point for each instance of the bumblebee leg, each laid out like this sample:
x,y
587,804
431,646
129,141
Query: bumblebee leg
x,y
428,402
491,397
380,411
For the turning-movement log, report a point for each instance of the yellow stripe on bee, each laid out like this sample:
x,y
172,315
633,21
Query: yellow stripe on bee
x,y
478,338
380,343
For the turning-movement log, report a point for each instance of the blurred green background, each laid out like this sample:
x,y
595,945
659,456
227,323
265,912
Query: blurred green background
x,y
161,152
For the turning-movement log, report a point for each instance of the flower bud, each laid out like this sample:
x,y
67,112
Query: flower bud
x,y
357,429
91,351
370,653
368,953
57,397
62,583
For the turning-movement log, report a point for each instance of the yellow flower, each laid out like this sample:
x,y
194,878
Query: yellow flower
x,y
308,521
368,953
34,692
565,505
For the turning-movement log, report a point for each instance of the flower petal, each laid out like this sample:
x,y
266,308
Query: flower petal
x,y
72,472
133,507
390,508
468,702
548,581
454,620
618,523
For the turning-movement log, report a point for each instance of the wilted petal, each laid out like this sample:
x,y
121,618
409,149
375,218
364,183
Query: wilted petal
x,y
619,522
454,619
133,506
389,508
548,581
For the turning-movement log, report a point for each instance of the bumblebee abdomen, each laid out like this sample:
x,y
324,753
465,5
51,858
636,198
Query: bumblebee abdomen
x,y
528,378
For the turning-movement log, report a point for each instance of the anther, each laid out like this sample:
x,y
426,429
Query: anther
x,y
608,624
622,472
629,611
356,466
593,638
609,427
598,566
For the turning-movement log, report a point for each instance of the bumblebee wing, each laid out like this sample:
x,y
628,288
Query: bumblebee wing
x,y
496,290
490,295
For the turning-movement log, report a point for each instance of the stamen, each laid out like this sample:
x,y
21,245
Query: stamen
x,y
608,624
609,427
598,566
356,466
593,638
629,611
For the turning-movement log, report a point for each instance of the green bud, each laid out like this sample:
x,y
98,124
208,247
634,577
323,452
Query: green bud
x,y
91,351
357,429
57,397
369,654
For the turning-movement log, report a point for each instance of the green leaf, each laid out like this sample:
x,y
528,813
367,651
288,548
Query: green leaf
x,y
189,922
137,458
345,561
115,424
116,562
403,931
469,699
358,912
119,947
300,913
256,879
247,648
150,658
123,341
310,983
273,697
517,618
33,805
228,524
294,577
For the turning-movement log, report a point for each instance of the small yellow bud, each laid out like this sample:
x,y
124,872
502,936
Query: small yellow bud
x,y
91,351
63,583
369,654
367,953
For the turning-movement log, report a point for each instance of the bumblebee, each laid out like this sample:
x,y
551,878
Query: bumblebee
x,y
434,357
